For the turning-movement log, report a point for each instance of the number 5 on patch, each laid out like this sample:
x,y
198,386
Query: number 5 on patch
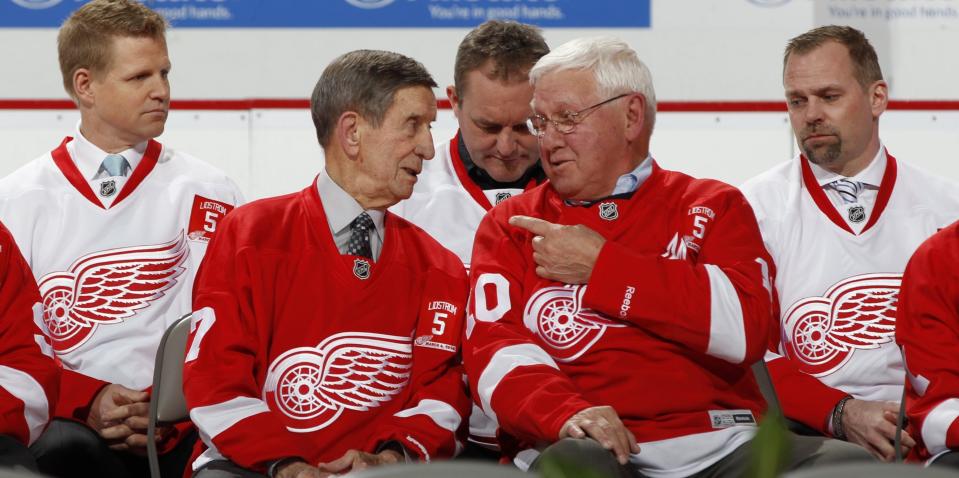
x,y
205,215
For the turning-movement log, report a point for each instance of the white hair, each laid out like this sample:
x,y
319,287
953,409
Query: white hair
x,y
616,67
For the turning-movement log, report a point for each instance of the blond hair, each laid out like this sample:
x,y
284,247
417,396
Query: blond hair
x,y
85,38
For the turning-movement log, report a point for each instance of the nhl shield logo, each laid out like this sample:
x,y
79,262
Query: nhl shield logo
x,y
857,214
608,211
500,197
361,269
108,188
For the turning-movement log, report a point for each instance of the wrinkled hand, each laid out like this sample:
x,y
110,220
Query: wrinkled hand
x,y
299,469
565,254
119,415
355,460
603,425
872,425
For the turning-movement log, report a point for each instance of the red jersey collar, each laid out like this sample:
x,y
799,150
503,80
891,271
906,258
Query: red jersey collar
x,y
471,187
61,157
819,196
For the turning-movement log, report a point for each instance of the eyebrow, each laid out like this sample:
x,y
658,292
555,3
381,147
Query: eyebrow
x,y
421,117
818,91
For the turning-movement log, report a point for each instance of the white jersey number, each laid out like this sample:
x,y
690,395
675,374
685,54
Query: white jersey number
x,y
201,322
500,293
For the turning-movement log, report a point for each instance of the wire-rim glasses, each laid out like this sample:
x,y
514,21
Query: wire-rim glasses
x,y
567,121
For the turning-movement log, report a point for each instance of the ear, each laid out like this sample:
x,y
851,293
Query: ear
x,y
83,86
348,133
878,98
635,115
454,100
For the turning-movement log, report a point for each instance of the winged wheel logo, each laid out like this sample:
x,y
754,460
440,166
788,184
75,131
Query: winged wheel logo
x,y
358,371
858,313
568,329
107,287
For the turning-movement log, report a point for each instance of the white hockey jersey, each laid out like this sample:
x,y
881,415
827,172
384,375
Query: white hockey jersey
x,y
447,204
838,290
113,278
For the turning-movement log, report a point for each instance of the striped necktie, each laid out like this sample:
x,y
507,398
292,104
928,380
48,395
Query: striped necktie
x,y
848,190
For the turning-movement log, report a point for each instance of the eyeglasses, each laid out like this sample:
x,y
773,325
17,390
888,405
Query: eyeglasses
x,y
567,121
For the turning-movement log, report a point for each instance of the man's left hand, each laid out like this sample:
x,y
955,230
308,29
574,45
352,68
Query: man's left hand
x,y
354,460
564,254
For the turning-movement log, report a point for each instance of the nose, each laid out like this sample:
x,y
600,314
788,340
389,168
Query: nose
x,y
424,144
813,111
161,89
506,142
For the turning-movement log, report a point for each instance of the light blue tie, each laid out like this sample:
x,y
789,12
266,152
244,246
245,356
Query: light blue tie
x,y
848,190
114,165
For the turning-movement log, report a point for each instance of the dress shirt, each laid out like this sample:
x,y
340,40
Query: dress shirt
x,y
626,184
341,209
88,157
870,177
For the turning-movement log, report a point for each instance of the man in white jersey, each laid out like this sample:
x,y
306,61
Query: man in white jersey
x,y
840,221
113,225
492,157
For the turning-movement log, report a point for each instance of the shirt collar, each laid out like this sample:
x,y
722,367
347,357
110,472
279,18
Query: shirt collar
x,y
88,156
341,209
871,176
631,181
626,184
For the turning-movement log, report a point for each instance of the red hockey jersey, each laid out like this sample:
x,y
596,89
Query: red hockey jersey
x,y
928,331
676,309
298,350
29,378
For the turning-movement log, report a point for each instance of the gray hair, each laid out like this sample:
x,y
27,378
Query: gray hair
x,y
363,81
616,68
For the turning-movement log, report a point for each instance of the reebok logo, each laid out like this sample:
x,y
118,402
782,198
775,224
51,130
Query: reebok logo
x,y
627,301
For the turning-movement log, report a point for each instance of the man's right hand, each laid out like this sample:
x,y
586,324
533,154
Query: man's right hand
x,y
872,425
114,410
299,469
603,425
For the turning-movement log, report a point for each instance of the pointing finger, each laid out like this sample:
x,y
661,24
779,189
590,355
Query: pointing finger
x,y
532,224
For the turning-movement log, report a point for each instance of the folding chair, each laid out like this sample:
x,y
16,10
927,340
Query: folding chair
x,y
900,426
765,383
167,403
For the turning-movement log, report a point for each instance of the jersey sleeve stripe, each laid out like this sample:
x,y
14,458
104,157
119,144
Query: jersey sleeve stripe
x,y
442,413
208,455
212,420
936,425
727,330
504,361
36,408
919,383
424,454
